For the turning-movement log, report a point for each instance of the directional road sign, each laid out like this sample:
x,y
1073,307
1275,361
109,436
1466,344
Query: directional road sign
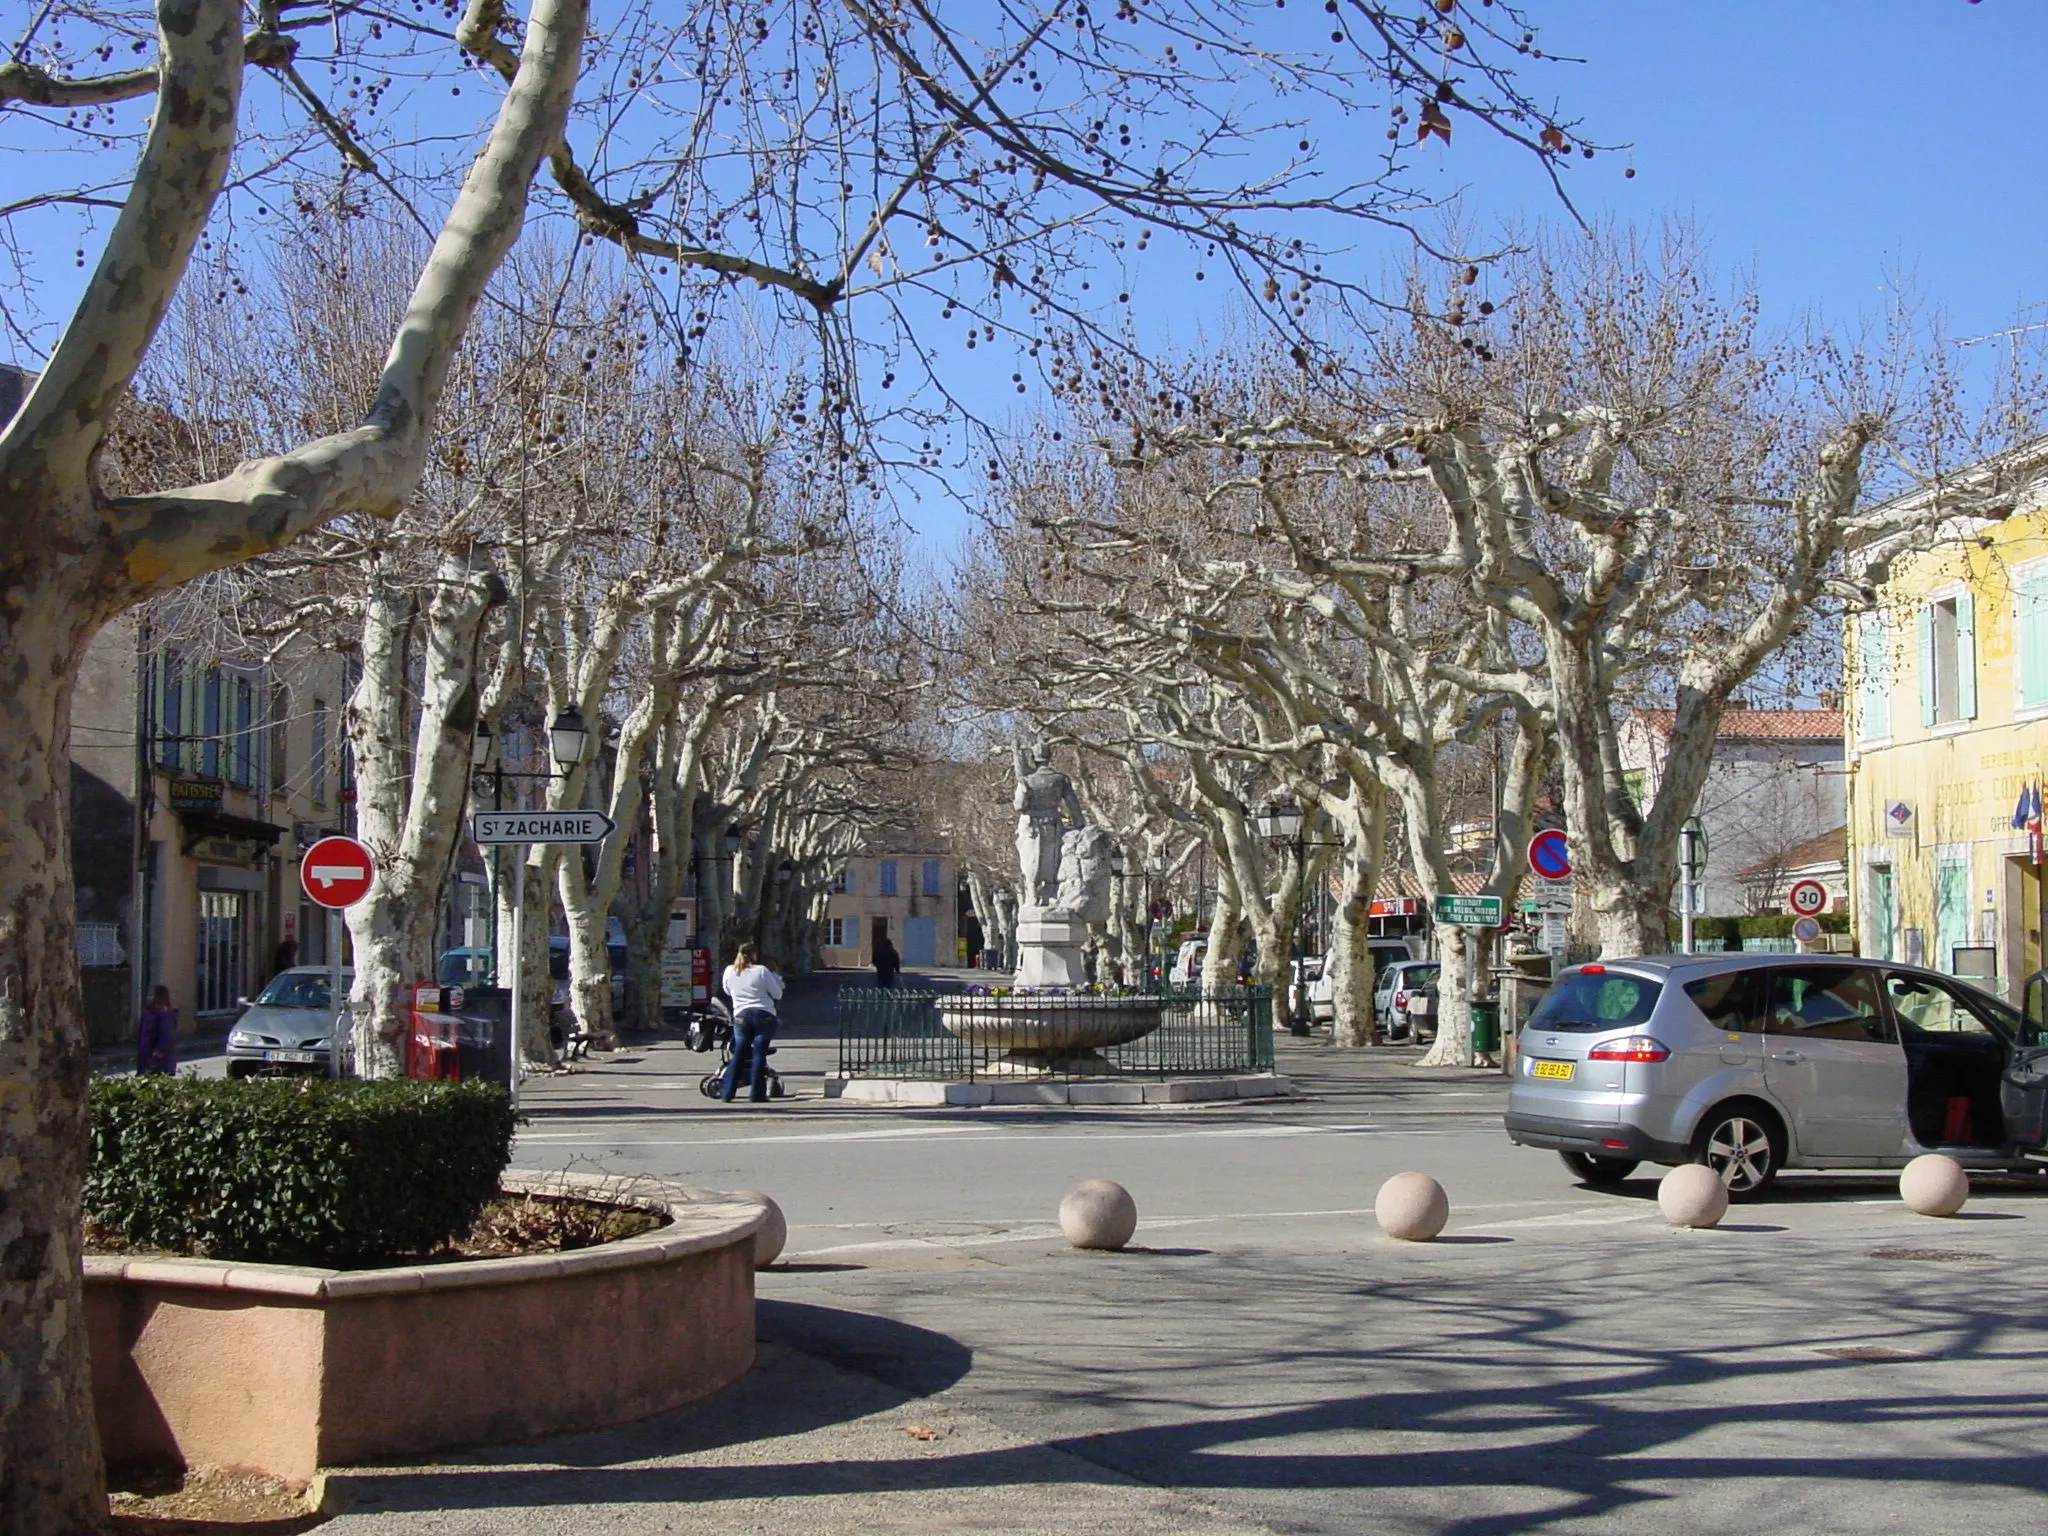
x,y
493,828
1807,898
337,871
1550,854
1469,911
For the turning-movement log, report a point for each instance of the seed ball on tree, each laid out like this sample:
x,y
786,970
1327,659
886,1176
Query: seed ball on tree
x,y
773,1232
1934,1185
1098,1213
1692,1195
1412,1207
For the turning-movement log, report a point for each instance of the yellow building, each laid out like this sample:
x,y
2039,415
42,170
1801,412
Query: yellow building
x,y
1948,745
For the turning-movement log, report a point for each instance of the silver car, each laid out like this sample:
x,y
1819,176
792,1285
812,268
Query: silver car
x,y
1753,1063
1392,988
289,1026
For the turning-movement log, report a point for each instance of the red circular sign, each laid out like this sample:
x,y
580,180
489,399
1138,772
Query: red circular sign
x,y
337,871
1807,898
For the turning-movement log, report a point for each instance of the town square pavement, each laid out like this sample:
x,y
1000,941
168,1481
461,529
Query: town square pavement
x,y
935,1358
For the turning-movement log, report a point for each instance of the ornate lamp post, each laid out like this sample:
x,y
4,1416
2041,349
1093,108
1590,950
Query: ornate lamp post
x,y
1286,826
568,739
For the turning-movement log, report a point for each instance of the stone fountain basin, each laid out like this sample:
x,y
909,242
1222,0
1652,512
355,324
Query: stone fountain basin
x,y
1050,1024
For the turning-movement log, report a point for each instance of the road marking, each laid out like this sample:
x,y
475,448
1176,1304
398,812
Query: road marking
x,y
968,1133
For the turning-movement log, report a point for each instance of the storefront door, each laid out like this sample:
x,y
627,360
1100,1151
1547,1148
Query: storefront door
x,y
221,973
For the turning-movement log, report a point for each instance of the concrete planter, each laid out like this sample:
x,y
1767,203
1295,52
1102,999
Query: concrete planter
x,y
284,1370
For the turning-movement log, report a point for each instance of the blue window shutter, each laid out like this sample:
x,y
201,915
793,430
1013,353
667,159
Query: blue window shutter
x,y
2032,623
1927,664
887,885
852,883
1874,680
1966,657
931,877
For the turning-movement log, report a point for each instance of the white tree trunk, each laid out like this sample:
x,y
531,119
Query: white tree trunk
x,y
1460,974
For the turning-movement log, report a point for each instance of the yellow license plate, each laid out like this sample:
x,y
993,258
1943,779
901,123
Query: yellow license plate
x,y
1557,1069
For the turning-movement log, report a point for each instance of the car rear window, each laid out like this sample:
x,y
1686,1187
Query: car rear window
x,y
1593,1000
1420,975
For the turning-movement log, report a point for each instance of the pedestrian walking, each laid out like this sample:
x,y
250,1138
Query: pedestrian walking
x,y
887,962
156,1035
753,989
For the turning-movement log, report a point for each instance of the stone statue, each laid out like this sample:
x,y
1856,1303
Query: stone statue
x,y
1044,799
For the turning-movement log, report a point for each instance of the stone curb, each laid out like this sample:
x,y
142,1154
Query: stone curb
x,y
699,1219
1197,1090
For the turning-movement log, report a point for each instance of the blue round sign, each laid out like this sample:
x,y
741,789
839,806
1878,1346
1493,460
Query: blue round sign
x,y
1550,855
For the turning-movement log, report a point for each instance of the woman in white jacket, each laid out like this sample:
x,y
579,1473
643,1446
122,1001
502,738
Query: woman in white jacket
x,y
753,991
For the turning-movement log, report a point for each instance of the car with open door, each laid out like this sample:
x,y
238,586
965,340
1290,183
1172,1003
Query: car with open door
x,y
1756,1063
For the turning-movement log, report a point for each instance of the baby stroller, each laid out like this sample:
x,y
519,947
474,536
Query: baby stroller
x,y
712,1026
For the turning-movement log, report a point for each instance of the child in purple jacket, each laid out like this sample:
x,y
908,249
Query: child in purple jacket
x,y
156,1035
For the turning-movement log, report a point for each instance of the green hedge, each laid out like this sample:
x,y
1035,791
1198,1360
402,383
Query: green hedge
x,y
293,1170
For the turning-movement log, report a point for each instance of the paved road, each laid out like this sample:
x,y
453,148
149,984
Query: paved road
x,y
1266,1359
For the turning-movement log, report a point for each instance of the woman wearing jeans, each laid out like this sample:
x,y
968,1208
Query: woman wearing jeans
x,y
753,990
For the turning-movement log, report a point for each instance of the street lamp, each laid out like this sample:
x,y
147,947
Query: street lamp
x,y
1286,824
569,737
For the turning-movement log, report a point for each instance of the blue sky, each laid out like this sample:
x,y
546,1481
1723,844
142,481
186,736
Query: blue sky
x,y
1827,144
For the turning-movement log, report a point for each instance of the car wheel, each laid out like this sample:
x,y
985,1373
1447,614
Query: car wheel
x,y
1599,1170
1743,1144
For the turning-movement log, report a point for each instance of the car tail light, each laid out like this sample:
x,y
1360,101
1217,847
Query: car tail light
x,y
1634,1048
1592,970
1400,999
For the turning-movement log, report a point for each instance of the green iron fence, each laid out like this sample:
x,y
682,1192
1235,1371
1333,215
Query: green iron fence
x,y
969,1036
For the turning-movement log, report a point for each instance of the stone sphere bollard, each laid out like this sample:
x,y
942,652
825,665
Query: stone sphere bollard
x,y
773,1233
1097,1213
1412,1207
1934,1185
1692,1195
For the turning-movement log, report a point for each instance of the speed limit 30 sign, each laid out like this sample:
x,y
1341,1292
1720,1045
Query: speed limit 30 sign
x,y
1807,898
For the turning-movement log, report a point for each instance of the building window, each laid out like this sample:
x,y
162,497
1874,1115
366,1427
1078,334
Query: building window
x,y
209,726
929,882
170,723
280,737
1873,680
842,932
243,760
318,787
887,886
2030,627
1948,661
842,883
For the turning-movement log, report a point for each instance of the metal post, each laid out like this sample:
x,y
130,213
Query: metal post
x,y
335,999
517,1013
1299,1015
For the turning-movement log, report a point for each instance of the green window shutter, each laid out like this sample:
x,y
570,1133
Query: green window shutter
x,y
1927,664
1966,657
2032,623
1873,681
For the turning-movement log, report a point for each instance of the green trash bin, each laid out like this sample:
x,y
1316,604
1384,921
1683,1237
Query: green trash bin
x,y
1485,1026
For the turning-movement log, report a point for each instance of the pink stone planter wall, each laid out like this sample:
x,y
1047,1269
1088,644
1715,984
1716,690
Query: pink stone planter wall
x,y
285,1370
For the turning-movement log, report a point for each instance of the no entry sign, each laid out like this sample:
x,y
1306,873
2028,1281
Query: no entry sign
x,y
1807,898
337,871
1550,854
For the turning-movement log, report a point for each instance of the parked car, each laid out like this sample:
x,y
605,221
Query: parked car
x,y
289,1026
466,967
1755,1063
1393,986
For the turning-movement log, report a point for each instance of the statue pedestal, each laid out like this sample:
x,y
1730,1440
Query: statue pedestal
x,y
1049,953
